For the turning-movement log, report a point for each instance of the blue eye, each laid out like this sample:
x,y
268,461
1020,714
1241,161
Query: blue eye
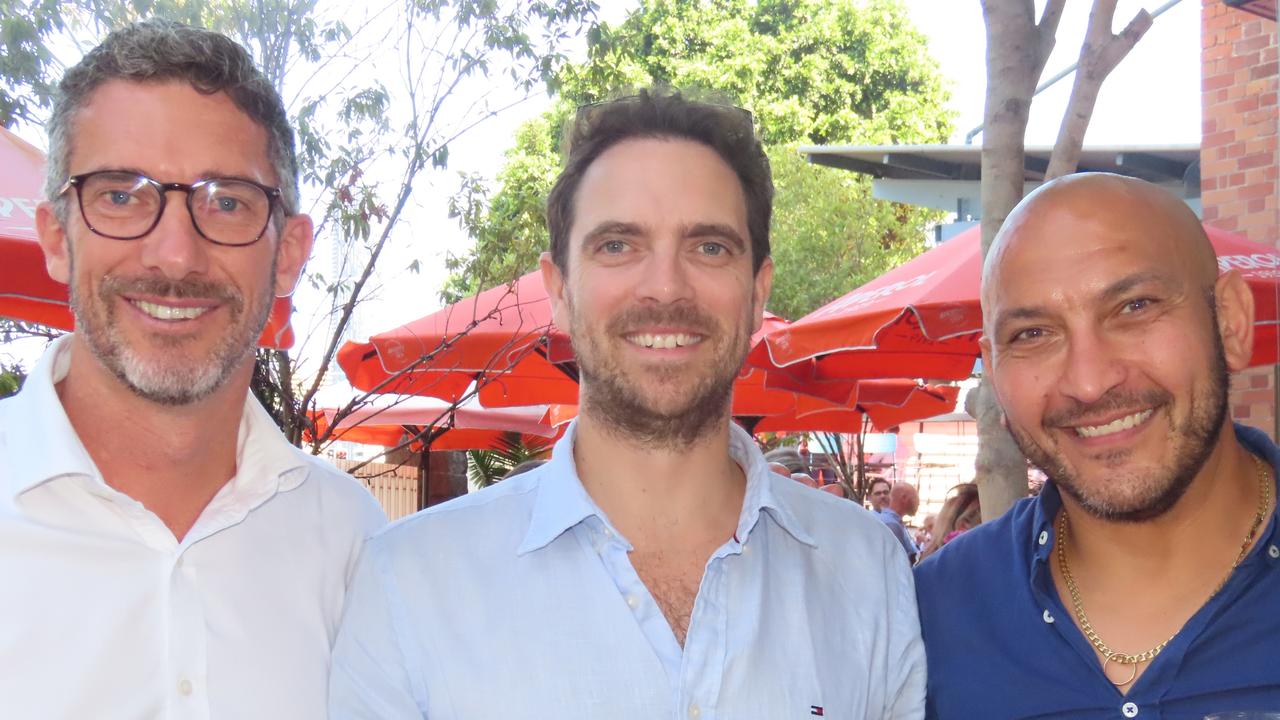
x,y
119,197
227,204
713,248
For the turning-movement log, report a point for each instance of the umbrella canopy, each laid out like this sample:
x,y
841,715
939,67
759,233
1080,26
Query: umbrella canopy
x,y
389,418
923,320
886,403
491,335
504,340
26,290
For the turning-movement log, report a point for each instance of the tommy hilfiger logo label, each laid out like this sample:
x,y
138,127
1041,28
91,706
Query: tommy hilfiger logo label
x,y
816,710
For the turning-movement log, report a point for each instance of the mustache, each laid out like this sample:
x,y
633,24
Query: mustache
x,y
1110,402
683,316
178,289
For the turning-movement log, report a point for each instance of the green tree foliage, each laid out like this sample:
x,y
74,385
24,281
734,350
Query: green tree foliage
x,y
810,71
486,467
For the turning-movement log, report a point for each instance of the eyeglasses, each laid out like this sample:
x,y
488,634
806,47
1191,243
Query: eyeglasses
x,y
126,206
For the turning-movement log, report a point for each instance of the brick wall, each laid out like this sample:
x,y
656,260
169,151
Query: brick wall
x,y
1239,160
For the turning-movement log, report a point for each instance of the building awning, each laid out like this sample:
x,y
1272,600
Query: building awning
x,y
1261,8
946,177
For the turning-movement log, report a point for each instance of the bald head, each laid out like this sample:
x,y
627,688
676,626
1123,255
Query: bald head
x,y
904,499
1078,212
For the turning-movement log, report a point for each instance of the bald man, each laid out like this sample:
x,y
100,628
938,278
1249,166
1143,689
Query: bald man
x,y
904,501
1142,581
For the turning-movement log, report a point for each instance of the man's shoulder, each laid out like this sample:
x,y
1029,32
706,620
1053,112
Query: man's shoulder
x,y
480,520
342,493
833,520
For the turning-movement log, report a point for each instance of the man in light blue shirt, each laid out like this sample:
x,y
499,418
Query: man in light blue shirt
x,y
654,568
904,501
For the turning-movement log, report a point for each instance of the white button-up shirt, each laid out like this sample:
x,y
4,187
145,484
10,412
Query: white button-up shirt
x,y
520,602
104,614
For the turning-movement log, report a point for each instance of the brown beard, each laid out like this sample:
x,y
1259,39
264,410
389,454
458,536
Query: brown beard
x,y
607,394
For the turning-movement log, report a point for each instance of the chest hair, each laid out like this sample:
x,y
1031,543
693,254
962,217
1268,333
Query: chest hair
x,y
673,580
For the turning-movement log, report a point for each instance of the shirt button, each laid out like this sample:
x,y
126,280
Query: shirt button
x,y
1048,617
1044,536
184,687
633,602
1274,552
1129,710
695,712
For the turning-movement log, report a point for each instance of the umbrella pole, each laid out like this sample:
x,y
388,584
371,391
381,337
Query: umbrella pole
x,y
424,475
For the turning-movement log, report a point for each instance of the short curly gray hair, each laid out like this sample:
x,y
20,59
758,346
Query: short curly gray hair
x,y
158,50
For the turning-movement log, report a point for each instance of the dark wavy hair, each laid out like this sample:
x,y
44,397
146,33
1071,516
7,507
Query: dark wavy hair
x,y
725,129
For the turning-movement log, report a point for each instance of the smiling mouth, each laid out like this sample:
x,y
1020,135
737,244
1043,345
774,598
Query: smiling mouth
x,y
169,313
664,341
1115,426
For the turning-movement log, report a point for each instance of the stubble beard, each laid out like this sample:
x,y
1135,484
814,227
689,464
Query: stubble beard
x,y
1138,497
167,376
610,394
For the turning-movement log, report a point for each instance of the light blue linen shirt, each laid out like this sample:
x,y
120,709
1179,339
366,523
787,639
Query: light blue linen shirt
x,y
520,601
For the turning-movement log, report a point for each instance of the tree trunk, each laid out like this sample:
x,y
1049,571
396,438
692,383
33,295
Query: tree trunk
x,y
1099,55
1017,49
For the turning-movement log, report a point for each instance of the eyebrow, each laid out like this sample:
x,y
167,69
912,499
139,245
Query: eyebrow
x,y
206,175
715,230
694,230
611,227
1111,293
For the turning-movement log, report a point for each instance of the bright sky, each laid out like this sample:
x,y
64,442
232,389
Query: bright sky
x,y
1152,98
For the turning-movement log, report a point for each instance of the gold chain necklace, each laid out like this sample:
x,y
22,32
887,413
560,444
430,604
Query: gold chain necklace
x,y
1119,658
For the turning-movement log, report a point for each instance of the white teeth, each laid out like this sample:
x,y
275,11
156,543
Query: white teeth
x,y
1114,426
167,312
664,342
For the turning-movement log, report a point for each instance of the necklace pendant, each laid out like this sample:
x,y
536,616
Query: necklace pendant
x,y
1121,660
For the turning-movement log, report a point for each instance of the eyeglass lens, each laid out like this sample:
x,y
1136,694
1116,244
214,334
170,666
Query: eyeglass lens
x,y
125,205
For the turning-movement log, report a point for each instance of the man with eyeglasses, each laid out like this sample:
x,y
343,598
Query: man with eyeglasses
x,y
165,553
654,567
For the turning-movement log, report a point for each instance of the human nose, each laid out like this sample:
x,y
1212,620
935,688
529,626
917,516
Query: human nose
x,y
665,277
174,246
1092,367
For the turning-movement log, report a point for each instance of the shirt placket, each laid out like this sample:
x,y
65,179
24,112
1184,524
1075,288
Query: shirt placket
x,y
706,643
185,670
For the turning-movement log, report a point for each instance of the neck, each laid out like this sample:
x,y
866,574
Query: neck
x,y
173,460
661,496
1200,535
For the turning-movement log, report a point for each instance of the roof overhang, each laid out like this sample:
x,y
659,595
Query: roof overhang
x,y
948,177
1261,8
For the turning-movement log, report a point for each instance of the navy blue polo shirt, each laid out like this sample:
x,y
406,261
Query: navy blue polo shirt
x,y
1001,644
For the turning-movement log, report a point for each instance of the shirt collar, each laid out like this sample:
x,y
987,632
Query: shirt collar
x,y
45,446
562,502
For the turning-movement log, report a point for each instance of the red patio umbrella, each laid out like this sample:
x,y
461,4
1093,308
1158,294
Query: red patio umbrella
x,y
388,419
503,338
26,290
923,320
886,403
